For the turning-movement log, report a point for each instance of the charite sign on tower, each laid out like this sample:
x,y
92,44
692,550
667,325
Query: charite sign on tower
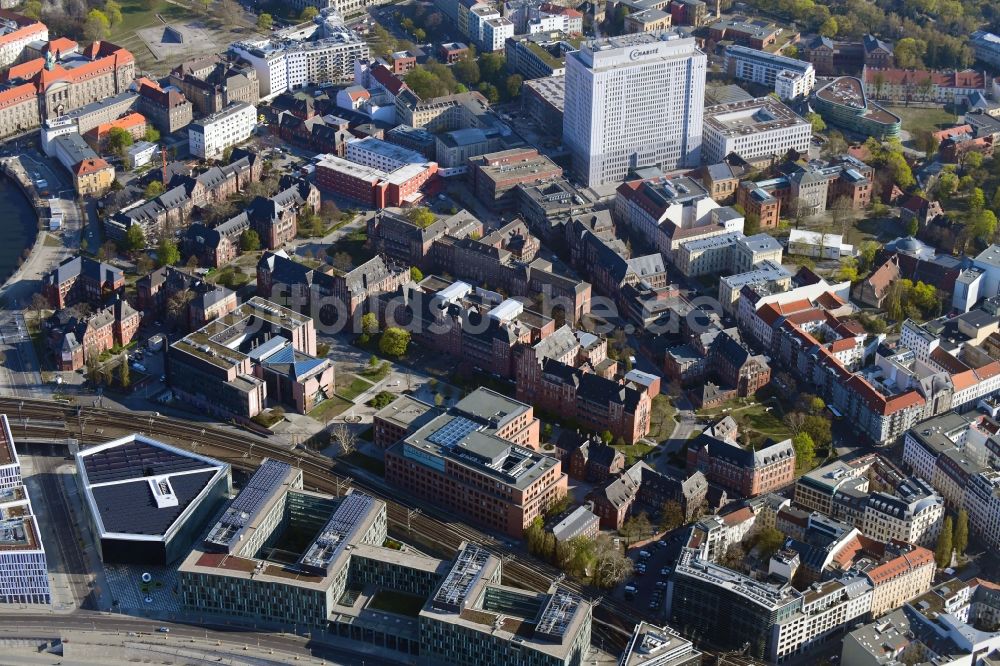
x,y
641,53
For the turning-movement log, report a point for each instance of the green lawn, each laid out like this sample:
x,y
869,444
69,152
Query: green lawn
x,y
633,452
139,14
329,408
351,386
916,119
661,418
762,424
397,602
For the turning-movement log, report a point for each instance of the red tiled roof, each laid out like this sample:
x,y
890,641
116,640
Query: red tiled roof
x,y
17,95
389,81
989,370
904,401
964,380
27,27
903,564
895,77
90,166
947,361
841,345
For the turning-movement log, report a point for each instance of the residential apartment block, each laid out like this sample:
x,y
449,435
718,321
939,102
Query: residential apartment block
x,y
211,136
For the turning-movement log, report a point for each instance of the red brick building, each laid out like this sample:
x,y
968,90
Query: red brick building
x,y
495,175
74,339
82,280
743,470
373,187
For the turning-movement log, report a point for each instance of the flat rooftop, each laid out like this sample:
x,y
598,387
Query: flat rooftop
x,y
18,526
847,91
8,454
761,114
140,488
405,410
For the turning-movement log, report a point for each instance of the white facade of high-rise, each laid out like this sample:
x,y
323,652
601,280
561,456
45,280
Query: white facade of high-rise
x,y
633,101
209,137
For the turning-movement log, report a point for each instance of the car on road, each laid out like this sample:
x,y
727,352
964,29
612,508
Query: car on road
x,y
164,630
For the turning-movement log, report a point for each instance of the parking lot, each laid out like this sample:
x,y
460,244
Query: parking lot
x,y
653,565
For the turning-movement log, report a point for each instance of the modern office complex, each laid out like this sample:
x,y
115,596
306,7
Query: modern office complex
x,y
147,500
23,570
467,460
658,646
986,45
633,101
249,565
473,619
10,466
286,556
754,128
844,104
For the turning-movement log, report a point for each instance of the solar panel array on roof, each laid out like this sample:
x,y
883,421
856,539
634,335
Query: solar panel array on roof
x,y
262,485
454,431
462,577
558,614
338,531
134,460
130,507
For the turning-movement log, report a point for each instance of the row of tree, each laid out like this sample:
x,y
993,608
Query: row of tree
x,y
599,560
953,539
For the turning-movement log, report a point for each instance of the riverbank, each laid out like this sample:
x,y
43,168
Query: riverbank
x,y
24,210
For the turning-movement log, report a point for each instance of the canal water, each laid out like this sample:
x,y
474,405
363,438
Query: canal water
x,y
18,227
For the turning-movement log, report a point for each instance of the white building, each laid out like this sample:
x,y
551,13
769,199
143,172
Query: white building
x,y
381,155
24,575
988,261
210,136
633,101
762,67
790,84
140,154
815,244
913,514
495,32
289,64
986,46
16,32
753,128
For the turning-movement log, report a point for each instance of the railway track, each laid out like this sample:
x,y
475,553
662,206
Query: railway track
x,y
39,419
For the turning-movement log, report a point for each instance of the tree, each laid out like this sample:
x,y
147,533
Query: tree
x,y
113,11
369,326
848,271
611,568
249,241
829,28
960,540
819,429
135,240
124,377
671,515
167,252
97,25
947,185
492,67
489,91
927,143
512,86
805,450
152,134
394,341
420,216
119,141
153,189
265,22
416,274
342,434
972,161
909,52
977,200
467,71
866,254
769,542
943,548
32,9
912,227
308,14
39,304
636,527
